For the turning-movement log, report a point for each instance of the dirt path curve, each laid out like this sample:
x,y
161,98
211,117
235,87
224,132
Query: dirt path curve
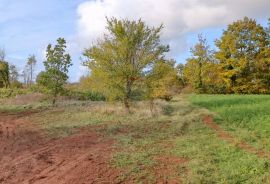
x,y
208,120
27,156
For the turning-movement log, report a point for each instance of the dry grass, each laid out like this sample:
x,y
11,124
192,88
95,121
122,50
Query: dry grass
x,y
25,99
140,109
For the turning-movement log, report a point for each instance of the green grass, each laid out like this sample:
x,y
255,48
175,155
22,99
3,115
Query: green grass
x,y
245,116
245,111
215,161
176,130
211,160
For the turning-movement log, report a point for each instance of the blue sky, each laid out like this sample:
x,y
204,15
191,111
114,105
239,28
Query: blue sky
x,y
28,26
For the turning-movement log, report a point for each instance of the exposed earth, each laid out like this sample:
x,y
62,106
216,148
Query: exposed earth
x,y
28,156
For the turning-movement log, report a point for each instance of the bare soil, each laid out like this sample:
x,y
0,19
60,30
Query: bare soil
x,y
28,156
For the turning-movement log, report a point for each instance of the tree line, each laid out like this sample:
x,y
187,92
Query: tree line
x,y
129,63
239,64
9,74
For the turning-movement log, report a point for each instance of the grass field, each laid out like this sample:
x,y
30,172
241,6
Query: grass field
x,y
245,116
142,138
172,143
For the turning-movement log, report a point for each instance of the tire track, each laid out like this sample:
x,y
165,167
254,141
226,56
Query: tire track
x,y
224,135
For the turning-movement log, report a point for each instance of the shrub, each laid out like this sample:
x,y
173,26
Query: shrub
x,y
89,95
167,110
8,93
16,85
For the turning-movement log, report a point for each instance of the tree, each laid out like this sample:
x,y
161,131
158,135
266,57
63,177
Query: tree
x,y
118,61
180,72
242,47
85,83
25,75
14,77
4,70
194,69
13,73
28,72
267,30
162,80
31,62
56,68
263,64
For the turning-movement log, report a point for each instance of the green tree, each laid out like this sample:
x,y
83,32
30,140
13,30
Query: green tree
x,y
14,77
267,30
181,76
241,48
118,61
194,69
4,70
30,66
13,73
56,69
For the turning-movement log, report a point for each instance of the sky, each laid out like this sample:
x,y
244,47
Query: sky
x,y
28,26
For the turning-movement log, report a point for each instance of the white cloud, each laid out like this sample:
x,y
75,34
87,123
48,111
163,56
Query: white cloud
x,y
179,17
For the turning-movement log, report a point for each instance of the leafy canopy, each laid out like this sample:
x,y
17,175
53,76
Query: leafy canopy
x,y
243,52
119,60
56,68
162,81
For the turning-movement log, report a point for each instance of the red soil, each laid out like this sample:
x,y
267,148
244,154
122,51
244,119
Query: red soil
x,y
27,156
208,120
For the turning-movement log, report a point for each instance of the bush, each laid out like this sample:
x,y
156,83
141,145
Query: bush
x,y
8,93
16,85
167,110
84,96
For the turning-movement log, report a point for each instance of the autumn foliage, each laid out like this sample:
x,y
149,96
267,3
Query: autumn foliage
x,y
240,64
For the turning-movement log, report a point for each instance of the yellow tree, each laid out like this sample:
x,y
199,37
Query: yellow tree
x,y
262,66
195,67
118,61
162,80
241,47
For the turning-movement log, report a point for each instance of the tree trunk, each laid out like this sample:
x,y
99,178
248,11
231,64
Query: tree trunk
x,y
31,74
126,103
54,98
200,83
151,103
128,95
